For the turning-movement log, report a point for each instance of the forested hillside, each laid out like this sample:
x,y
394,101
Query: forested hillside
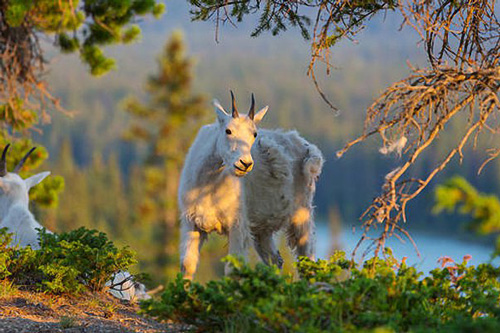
x,y
89,151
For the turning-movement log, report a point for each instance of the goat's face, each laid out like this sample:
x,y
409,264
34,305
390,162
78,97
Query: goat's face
x,y
236,135
14,189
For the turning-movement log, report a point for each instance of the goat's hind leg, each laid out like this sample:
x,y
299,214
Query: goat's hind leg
x,y
265,247
301,233
192,240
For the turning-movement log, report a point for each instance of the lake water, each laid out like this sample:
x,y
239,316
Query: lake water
x,y
431,248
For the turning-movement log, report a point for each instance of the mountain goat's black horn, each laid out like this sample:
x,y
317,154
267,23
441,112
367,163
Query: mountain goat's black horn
x,y
235,111
21,162
251,113
3,161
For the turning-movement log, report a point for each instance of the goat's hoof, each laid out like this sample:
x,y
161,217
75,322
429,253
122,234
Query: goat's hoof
x,y
278,260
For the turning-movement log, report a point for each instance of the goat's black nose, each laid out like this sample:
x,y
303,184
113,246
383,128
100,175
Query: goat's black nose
x,y
247,165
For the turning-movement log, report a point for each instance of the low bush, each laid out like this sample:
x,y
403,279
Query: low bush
x,y
65,263
332,295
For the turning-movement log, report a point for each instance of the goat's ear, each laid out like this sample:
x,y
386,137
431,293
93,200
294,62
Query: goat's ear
x,y
259,115
221,113
36,179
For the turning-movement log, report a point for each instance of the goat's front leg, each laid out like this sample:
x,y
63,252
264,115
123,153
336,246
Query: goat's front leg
x,y
238,243
192,240
265,247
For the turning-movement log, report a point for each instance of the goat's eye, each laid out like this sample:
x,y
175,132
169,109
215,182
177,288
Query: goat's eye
x,y
255,135
228,131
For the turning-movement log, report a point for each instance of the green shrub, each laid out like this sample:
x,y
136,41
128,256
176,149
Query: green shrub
x,y
65,263
5,253
382,295
457,194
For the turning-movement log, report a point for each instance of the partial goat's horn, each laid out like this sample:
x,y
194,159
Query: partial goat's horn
x,y
21,162
235,111
3,162
251,113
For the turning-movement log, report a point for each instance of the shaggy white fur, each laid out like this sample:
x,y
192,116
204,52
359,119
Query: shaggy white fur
x,y
217,191
14,212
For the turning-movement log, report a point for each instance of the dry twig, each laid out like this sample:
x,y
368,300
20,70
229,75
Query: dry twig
x,y
418,108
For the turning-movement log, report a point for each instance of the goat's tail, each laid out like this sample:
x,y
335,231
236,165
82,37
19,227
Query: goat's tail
x,y
312,165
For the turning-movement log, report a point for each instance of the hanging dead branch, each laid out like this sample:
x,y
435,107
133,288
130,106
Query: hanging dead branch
x,y
463,47
417,109
334,20
462,33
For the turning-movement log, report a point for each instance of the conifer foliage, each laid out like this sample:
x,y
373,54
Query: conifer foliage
x,y
82,26
457,194
166,123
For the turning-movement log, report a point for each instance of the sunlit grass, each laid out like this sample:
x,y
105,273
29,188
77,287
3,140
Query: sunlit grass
x,y
7,288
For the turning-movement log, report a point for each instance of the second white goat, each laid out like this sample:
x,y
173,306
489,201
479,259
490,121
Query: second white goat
x,y
16,217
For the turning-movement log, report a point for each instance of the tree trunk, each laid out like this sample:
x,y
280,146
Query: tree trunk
x,y
170,218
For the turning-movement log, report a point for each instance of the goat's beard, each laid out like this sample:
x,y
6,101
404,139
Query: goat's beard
x,y
239,173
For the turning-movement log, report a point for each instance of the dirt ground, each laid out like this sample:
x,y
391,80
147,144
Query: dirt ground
x,y
23,311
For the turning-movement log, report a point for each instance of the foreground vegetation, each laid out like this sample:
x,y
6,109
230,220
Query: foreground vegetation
x,y
340,295
73,262
326,295
335,296
62,285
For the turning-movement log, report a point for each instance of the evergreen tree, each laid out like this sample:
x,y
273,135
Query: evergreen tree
x,y
97,197
82,26
166,123
119,215
74,210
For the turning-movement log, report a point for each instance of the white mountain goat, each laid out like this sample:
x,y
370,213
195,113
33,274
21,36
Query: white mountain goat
x,y
217,191
16,217
14,201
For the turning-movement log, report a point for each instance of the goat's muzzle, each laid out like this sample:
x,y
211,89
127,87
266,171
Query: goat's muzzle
x,y
242,168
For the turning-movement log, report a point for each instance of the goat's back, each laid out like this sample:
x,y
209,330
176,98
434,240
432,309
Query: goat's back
x,y
286,167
